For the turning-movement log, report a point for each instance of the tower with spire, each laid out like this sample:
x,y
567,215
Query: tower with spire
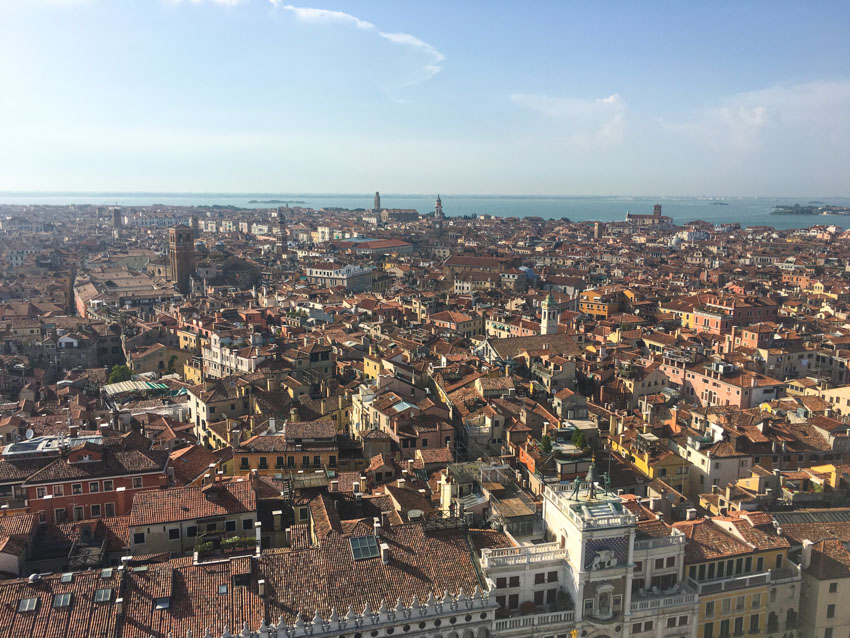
x,y
549,316
377,205
438,212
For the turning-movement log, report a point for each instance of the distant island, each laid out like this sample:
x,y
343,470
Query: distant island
x,y
719,204
276,201
812,208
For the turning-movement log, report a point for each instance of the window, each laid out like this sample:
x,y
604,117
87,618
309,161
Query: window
x,y
230,526
192,531
725,605
833,588
106,572
58,490
95,511
107,485
539,597
671,561
708,630
76,488
754,624
139,538
827,633
539,578
551,596
211,527
67,577
739,625
724,628
514,581
305,461
94,486
109,509
248,523
162,603
671,622
317,461
243,464
40,492
332,461
639,566
830,611
264,463
61,600
760,563
174,534
137,482
552,577
756,601
659,563
278,462
364,547
27,604
500,600
501,582
739,603
513,601
102,595
683,620
222,590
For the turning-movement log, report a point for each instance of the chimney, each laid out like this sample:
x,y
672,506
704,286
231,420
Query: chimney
x,y
400,483
277,520
288,537
335,485
410,465
376,525
119,606
362,482
385,519
258,530
74,430
806,555
385,553
690,514
261,587
654,503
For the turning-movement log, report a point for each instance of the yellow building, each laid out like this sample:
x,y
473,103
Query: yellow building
x,y
739,567
651,458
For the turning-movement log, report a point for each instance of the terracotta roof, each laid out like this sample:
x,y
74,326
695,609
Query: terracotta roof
x,y
184,503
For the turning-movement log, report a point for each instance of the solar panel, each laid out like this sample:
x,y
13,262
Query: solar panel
x,y
364,547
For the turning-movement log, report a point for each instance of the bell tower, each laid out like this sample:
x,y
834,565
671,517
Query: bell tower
x,y
181,254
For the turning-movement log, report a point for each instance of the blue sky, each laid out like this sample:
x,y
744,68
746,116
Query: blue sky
x,y
670,98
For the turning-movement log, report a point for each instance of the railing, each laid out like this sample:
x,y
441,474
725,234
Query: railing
x,y
655,543
522,555
784,574
535,620
659,602
728,584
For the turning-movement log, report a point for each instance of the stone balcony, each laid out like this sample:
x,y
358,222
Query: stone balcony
x,y
526,555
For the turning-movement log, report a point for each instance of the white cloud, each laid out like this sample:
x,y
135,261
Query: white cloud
x,y
750,120
434,59
307,14
585,121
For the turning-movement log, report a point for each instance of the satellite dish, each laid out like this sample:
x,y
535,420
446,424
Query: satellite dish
x,y
29,434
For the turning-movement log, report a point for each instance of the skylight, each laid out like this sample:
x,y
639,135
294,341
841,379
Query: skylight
x,y
102,595
222,589
62,600
67,577
162,603
364,547
28,604
106,573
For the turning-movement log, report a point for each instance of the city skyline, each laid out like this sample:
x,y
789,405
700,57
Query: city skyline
x,y
254,96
